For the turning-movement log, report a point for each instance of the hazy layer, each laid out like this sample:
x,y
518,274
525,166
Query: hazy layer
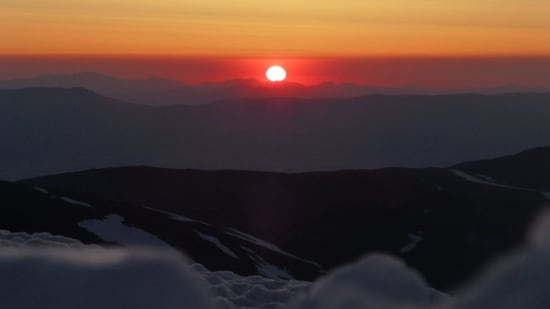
x,y
397,71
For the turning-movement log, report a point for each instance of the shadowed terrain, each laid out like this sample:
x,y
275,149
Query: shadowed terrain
x,y
53,130
444,222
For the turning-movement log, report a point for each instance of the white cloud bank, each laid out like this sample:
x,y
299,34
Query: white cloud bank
x,y
520,280
376,281
91,278
45,271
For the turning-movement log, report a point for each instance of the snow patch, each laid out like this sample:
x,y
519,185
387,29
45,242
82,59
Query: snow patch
x,y
218,244
414,240
486,178
173,216
41,190
265,244
474,179
269,270
256,241
75,202
112,229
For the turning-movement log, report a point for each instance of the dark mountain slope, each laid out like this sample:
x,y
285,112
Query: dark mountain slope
x,y
24,208
100,221
530,169
442,223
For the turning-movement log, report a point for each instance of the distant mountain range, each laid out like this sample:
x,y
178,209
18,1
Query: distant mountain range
x,y
445,222
53,130
162,92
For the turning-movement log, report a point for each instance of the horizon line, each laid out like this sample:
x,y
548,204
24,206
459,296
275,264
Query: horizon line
x,y
399,56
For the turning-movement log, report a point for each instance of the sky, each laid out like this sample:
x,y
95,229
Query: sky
x,y
276,28
322,35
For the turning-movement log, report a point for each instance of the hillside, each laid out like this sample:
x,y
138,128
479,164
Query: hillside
x,y
530,169
443,222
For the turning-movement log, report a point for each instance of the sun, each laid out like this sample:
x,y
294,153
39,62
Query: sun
x,y
275,74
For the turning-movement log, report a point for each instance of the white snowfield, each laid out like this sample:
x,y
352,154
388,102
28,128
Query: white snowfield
x,y
45,271
112,229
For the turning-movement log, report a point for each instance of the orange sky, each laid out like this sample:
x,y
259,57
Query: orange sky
x,y
443,43
283,28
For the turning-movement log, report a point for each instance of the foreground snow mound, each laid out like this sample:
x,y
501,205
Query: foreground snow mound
x,y
92,278
519,281
376,281
234,291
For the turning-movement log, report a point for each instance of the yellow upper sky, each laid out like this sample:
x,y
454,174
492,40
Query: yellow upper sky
x,y
276,28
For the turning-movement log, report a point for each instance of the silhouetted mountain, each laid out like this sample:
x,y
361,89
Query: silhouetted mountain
x,y
443,222
152,91
99,221
161,92
529,169
47,131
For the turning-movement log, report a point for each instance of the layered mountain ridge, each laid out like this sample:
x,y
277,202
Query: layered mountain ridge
x,y
49,131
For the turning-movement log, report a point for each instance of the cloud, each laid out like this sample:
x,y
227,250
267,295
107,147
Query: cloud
x,y
91,278
234,291
520,280
46,271
22,240
376,281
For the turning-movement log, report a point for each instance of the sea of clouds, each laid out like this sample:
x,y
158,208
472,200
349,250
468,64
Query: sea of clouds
x,y
45,271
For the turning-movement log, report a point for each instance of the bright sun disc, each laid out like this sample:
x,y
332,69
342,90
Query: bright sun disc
x,y
275,74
